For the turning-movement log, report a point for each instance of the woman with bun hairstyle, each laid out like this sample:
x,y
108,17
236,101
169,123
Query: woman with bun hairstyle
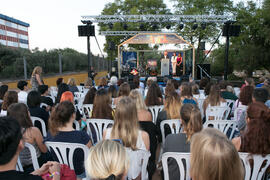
x,y
107,160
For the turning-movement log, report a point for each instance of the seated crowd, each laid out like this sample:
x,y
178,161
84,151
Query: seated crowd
x,y
136,126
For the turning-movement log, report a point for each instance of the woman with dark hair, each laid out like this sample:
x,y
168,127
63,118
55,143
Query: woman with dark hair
x,y
207,89
3,90
61,130
191,123
90,96
59,81
255,139
63,87
102,105
154,96
31,135
124,90
10,97
112,90
33,103
186,94
203,83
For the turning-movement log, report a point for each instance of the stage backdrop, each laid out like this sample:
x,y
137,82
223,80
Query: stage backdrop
x,y
130,58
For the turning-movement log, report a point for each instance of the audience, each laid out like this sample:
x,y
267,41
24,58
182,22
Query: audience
x,y
22,94
112,90
196,92
63,87
88,83
102,105
169,88
214,157
107,160
61,130
248,82
45,99
124,90
72,85
90,96
203,83
261,82
12,143
103,83
59,81
31,135
154,96
36,78
33,103
10,97
3,90
191,123
260,95
224,93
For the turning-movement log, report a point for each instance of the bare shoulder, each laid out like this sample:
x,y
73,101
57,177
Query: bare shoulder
x,y
145,135
237,143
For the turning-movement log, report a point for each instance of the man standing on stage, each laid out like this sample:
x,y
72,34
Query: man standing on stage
x,y
165,64
174,62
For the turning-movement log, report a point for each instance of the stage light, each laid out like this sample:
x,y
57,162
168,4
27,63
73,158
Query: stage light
x,y
195,26
181,26
125,26
203,26
168,26
111,25
142,27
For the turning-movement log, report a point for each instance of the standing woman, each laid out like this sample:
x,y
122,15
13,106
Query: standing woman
x,y
174,62
179,65
36,78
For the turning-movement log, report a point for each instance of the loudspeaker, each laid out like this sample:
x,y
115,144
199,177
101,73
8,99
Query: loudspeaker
x,y
206,69
231,30
202,45
86,30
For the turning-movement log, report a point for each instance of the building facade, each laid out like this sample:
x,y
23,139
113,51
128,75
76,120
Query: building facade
x,y
13,32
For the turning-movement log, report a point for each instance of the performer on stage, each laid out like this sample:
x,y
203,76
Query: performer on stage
x,y
174,62
165,64
179,67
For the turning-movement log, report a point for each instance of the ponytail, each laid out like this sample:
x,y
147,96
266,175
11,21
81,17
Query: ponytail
x,y
191,118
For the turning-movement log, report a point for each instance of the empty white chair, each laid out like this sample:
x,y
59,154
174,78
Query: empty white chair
x,y
260,165
217,112
64,151
138,163
175,127
183,161
237,112
228,127
154,111
87,110
99,126
43,126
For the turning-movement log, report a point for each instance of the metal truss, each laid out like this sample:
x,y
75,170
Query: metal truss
x,y
159,18
128,33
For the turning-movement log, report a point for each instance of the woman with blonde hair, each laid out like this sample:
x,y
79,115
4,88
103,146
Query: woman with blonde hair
x,y
36,78
126,128
107,160
72,85
191,123
214,157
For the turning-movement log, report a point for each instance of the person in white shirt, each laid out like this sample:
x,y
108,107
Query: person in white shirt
x,y
22,94
174,62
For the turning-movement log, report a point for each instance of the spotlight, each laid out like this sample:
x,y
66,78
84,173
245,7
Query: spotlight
x,y
168,26
125,26
111,25
203,26
181,26
195,26
142,27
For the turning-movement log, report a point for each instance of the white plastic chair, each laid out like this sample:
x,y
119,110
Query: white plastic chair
x,y
43,105
19,166
260,165
77,125
224,126
175,127
200,106
80,88
43,125
99,126
64,151
138,163
237,91
87,110
237,112
217,112
230,103
33,153
180,158
154,111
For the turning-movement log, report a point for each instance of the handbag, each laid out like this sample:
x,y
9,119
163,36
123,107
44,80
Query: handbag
x,y
65,174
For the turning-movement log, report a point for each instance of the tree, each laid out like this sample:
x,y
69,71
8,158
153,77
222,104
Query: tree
x,y
199,7
128,7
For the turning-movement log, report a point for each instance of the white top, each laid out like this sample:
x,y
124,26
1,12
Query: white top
x,y
140,144
174,59
22,97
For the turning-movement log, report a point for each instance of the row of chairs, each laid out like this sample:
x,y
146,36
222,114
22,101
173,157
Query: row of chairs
x,y
253,171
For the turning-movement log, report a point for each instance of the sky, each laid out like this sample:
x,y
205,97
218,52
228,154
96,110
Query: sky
x,y
53,23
